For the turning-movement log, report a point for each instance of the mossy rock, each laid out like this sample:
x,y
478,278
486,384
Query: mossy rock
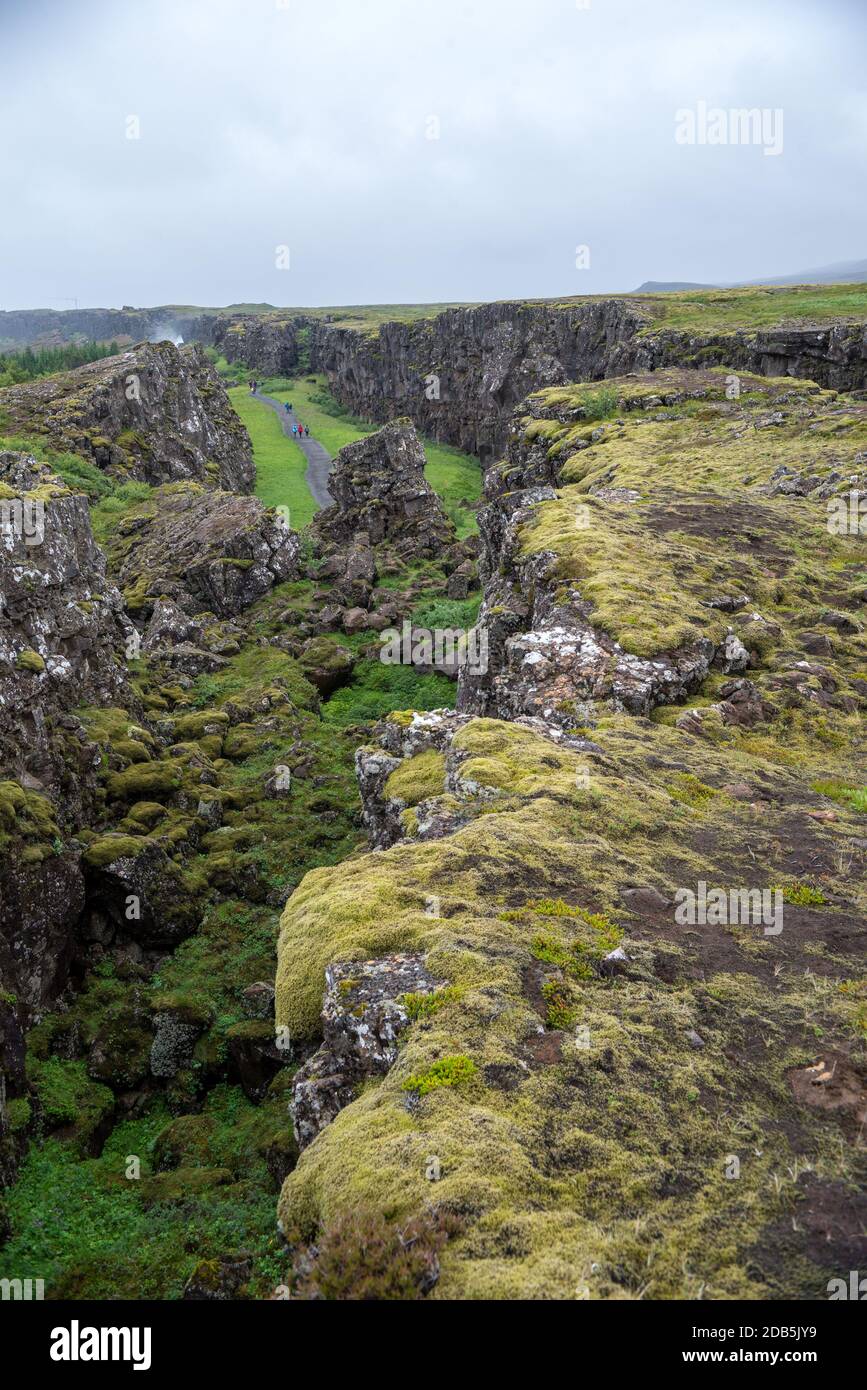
x,y
144,782
29,660
417,778
107,849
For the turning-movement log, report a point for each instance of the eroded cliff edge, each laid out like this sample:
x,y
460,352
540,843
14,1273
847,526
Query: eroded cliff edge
x,y
584,1091
460,374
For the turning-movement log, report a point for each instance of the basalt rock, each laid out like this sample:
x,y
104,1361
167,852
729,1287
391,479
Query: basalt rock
x,y
408,806
200,549
459,375
326,664
155,414
544,657
140,892
380,490
268,345
62,639
362,1018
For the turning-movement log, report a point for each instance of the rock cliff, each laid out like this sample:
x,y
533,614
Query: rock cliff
x,y
155,414
459,375
63,633
672,716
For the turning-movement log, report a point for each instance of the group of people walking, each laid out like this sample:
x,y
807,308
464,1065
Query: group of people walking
x,y
298,430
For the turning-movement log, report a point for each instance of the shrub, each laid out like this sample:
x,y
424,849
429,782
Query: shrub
x,y
361,1256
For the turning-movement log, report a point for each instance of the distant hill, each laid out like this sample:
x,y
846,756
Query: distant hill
x,y
841,273
670,286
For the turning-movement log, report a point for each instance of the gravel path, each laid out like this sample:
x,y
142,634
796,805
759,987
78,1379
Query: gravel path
x,y
318,458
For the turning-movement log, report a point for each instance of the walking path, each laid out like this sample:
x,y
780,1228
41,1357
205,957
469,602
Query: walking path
x,y
318,458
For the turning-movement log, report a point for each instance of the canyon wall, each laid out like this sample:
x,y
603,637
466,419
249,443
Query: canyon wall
x,y
155,414
459,375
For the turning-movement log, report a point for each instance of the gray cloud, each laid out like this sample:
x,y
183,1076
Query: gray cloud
x,y
306,125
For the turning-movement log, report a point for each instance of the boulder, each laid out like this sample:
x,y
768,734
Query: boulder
x,y
362,1019
380,491
190,548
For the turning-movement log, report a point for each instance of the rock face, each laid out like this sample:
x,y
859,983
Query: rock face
x,y
155,414
62,636
550,652
459,375
414,785
200,549
545,656
380,490
362,1018
62,624
51,327
270,345
31,327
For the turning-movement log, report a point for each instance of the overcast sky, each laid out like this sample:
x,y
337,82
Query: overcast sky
x,y
308,125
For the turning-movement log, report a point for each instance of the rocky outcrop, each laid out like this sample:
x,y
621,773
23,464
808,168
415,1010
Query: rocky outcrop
x,y
63,630
551,653
458,375
199,549
269,345
363,1014
380,491
544,656
62,644
414,784
834,355
155,414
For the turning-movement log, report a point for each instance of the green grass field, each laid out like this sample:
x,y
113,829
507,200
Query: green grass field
x,y
720,311
280,463
454,476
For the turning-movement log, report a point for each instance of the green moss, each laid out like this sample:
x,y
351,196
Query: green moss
x,y
448,1071
27,816
69,1098
690,790
417,778
106,849
18,1113
30,661
144,782
420,1006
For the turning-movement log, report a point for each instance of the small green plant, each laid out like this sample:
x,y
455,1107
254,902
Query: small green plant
x,y
689,790
843,793
425,1005
801,894
448,1071
560,1012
